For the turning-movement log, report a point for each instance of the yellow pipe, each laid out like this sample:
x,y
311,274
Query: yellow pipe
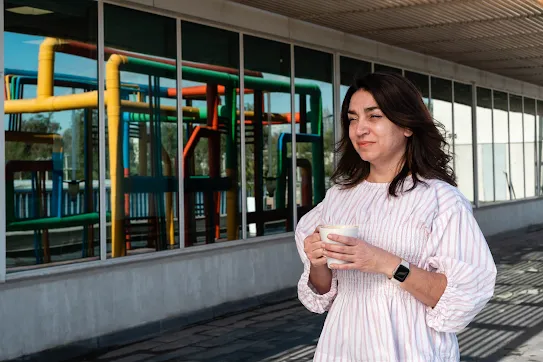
x,y
7,88
169,198
46,66
47,102
139,106
52,104
113,97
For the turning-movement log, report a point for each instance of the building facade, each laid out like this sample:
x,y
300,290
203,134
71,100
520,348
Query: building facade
x,y
158,154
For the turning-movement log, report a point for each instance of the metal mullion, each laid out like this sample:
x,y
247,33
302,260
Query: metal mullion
x,y
474,145
242,131
102,133
337,103
293,143
523,149
453,129
509,141
493,151
2,162
180,161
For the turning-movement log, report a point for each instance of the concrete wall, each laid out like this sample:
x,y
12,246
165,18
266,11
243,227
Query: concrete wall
x,y
509,216
42,312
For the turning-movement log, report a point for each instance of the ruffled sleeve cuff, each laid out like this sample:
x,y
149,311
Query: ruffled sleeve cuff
x,y
311,299
468,290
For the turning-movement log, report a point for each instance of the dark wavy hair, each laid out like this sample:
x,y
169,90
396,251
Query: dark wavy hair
x,y
426,153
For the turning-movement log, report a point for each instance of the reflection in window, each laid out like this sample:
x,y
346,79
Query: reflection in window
x,y
315,131
212,164
421,81
52,188
463,151
441,106
386,69
142,140
502,179
349,69
516,147
530,147
485,151
268,130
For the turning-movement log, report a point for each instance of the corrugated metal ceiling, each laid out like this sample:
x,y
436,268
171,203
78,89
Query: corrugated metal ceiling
x,y
500,36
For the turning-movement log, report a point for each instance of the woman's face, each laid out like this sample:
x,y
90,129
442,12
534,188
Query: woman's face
x,y
376,139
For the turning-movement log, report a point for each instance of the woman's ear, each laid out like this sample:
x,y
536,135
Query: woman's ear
x,y
407,132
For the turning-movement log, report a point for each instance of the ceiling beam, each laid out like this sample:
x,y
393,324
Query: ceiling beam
x,y
395,6
455,23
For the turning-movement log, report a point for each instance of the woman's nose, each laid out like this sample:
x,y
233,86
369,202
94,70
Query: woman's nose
x,y
361,127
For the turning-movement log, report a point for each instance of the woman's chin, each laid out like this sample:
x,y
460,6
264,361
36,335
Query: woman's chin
x,y
365,156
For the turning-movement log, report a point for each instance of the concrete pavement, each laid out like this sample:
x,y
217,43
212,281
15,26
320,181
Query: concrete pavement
x,y
509,329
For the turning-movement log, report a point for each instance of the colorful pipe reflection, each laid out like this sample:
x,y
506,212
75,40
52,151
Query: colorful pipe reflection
x,y
147,111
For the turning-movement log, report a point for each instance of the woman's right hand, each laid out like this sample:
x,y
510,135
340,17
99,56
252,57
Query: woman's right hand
x,y
313,249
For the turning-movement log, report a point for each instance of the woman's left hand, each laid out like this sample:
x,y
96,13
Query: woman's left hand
x,y
360,255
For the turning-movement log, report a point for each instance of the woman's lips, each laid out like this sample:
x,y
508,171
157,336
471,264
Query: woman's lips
x,y
365,144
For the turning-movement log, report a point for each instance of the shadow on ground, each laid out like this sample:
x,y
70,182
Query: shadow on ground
x,y
509,329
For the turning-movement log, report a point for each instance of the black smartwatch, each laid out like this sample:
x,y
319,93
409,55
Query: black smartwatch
x,y
401,272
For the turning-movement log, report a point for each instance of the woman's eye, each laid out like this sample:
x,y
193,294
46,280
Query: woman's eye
x,y
375,116
352,119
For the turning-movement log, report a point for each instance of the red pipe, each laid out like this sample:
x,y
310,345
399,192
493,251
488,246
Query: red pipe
x,y
89,51
200,91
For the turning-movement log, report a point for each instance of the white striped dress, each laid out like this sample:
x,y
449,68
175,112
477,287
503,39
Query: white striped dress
x,y
370,318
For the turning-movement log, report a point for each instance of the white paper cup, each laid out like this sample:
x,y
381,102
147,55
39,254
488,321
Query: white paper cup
x,y
345,230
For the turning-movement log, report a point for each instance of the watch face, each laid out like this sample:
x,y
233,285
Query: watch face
x,y
401,273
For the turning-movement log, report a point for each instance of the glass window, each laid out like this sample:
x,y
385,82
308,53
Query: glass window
x,y
141,90
441,106
502,179
530,147
349,69
485,150
386,68
268,132
315,131
516,147
50,124
422,83
211,133
463,151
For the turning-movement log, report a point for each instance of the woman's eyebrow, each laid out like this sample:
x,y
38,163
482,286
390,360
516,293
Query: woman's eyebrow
x,y
369,109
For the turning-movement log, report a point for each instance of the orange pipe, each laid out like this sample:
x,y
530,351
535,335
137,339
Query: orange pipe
x,y
200,91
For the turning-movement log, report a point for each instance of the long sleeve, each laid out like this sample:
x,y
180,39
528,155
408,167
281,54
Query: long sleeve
x,y
458,249
310,298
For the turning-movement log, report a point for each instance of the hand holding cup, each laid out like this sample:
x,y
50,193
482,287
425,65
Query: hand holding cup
x,y
313,249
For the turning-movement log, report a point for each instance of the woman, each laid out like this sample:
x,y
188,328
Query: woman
x,y
420,269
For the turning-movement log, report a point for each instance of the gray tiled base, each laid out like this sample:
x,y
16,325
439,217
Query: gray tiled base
x,y
153,329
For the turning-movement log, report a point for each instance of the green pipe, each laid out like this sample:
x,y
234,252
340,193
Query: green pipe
x,y
317,149
231,162
203,75
55,222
